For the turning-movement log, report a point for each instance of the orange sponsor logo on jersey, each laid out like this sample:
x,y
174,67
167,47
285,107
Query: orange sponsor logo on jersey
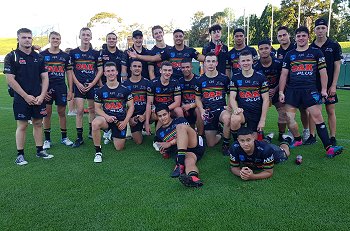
x,y
113,105
59,69
212,94
302,67
249,94
139,98
84,66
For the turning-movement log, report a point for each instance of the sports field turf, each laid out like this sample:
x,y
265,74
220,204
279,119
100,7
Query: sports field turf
x,y
132,190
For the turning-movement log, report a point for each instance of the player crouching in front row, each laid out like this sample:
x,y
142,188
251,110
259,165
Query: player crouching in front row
x,y
248,154
114,104
177,136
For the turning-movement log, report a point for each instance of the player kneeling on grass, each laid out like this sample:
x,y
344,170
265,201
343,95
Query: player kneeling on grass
x,y
114,104
176,136
252,159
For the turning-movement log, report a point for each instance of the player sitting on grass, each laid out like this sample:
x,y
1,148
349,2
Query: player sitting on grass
x,y
252,159
176,136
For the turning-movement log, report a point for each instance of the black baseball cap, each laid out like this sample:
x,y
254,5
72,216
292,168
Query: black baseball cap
x,y
137,33
321,21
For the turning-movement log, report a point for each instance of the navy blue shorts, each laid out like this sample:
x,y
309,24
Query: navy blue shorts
x,y
331,100
251,121
302,98
87,95
275,99
23,111
191,116
279,154
58,93
213,123
199,149
137,128
116,133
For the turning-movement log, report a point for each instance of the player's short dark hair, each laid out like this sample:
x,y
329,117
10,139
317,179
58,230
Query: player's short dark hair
x,y
166,63
214,28
24,30
210,54
283,28
238,30
110,64
178,30
302,29
186,60
161,107
245,53
244,131
264,41
54,33
111,33
84,29
135,60
157,27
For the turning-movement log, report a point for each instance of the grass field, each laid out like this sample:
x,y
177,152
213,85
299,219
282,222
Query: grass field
x,y
132,190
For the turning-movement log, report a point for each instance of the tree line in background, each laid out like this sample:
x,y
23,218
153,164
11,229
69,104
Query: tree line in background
x,y
286,15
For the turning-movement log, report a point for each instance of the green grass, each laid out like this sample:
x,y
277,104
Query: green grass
x,y
132,190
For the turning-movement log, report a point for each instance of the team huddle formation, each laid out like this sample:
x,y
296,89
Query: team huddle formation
x,y
134,88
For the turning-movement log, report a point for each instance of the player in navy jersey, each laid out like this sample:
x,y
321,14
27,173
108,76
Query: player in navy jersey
x,y
271,68
283,37
175,136
111,53
26,75
58,65
332,52
174,54
138,86
300,67
188,85
251,159
164,90
216,46
114,105
87,68
249,96
211,102
158,35
233,55
137,38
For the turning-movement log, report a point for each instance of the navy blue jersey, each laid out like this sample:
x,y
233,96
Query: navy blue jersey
x,y
281,53
220,51
85,64
118,57
272,73
332,52
56,65
175,57
139,93
156,51
114,100
249,91
188,89
303,67
167,134
27,70
144,72
262,157
213,91
164,94
233,58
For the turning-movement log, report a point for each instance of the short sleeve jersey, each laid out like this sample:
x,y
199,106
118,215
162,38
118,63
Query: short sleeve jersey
x,y
144,72
281,53
220,51
303,67
233,58
56,66
167,134
261,159
114,100
332,52
156,51
272,73
27,70
164,94
118,57
139,93
249,91
175,57
213,91
188,89
85,64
